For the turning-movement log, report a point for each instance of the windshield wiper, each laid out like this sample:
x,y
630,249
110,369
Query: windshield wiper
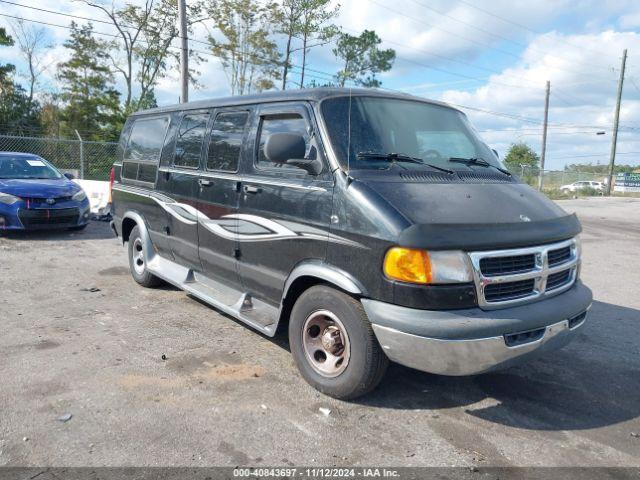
x,y
479,161
400,157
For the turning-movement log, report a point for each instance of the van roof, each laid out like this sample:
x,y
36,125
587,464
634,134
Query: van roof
x,y
304,94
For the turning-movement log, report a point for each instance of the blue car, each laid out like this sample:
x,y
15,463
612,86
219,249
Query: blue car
x,y
34,195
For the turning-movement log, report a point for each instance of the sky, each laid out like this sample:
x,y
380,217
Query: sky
x,y
491,59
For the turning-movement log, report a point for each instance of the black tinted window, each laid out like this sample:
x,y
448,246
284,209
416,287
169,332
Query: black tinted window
x,y
226,141
145,141
190,140
280,123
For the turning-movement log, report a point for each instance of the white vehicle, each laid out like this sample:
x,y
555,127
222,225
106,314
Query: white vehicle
x,y
576,186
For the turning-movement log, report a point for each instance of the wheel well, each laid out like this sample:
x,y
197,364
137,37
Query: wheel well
x,y
127,226
296,289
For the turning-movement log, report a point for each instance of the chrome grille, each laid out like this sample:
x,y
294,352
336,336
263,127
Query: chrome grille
x,y
493,266
507,277
559,256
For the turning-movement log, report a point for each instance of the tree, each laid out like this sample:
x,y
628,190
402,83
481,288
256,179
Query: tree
x,y
362,59
143,50
249,57
6,70
522,160
287,19
314,28
33,45
91,104
18,116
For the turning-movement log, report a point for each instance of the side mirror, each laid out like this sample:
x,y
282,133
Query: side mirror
x,y
314,167
70,176
289,148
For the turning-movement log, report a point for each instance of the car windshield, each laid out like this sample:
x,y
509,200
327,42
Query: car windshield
x,y
362,126
26,168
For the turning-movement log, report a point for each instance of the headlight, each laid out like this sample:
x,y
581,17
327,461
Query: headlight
x,y
419,266
578,246
8,199
79,196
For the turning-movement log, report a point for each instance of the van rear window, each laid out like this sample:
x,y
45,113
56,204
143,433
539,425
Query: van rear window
x,y
142,154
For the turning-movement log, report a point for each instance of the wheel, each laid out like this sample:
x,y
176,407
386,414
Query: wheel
x,y
78,228
138,261
333,344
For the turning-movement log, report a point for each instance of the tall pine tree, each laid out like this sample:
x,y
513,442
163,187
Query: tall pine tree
x,y
92,105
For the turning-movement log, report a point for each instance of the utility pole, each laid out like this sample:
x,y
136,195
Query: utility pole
x,y
616,118
184,51
544,135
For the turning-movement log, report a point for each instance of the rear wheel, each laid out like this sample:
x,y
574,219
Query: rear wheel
x,y
138,261
333,344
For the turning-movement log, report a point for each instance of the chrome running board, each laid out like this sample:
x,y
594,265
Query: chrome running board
x,y
240,305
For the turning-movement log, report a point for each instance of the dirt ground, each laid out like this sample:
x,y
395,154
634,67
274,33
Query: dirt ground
x,y
78,337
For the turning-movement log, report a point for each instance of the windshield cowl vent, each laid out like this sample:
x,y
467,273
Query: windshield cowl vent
x,y
431,177
466,177
484,177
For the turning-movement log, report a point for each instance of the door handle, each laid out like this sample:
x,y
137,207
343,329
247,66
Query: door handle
x,y
251,189
204,182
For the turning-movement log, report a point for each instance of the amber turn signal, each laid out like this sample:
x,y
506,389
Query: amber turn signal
x,y
408,265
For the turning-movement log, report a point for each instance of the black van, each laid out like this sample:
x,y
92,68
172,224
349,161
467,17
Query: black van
x,y
376,226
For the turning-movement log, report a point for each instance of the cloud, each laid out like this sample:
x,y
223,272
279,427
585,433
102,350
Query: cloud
x,y
582,98
630,21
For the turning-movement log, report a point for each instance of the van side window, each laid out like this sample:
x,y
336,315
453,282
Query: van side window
x,y
190,140
142,153
226,141
292,123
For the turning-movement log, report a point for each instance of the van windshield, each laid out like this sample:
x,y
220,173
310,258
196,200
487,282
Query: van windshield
x,y
379,126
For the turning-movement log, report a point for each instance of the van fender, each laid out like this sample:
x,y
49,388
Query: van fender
x,y
326,272
144,233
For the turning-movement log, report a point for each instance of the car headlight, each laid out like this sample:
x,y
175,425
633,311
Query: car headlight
x,y
8,199
78,197
420,266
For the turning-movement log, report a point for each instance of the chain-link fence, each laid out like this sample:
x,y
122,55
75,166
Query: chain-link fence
x,y
87,159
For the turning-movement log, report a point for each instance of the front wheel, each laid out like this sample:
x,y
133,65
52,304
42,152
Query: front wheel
x,y
333,344
138,261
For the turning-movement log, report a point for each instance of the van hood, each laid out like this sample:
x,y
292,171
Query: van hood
x,y
39,188
477,216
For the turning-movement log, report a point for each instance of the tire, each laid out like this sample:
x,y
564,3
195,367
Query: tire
x,y
138,261
316,316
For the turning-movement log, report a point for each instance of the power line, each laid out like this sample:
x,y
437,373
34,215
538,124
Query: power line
x,y
470,40
326,75
502,37
525,27
597,155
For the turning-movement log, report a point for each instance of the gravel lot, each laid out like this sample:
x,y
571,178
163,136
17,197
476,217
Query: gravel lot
x,y
79,337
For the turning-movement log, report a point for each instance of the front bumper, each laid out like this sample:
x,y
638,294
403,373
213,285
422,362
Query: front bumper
x,y
473,341
15,216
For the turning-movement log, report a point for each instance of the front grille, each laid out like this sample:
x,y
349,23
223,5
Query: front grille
x,y
507,277
499,292
561,255
556,280
45,217
31,201
492,266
